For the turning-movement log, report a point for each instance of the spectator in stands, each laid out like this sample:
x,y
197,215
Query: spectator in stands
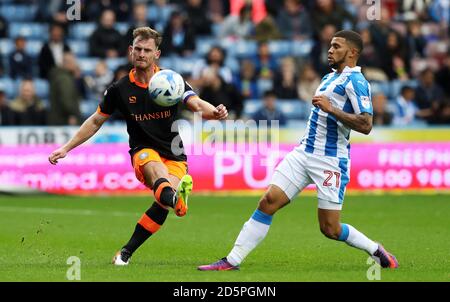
x,y
196,11
369,58
328,12
247,82
274,7
269,111
379,29
415,40
178,36
413,10
443,76
430,98
106,41
319,51
218,9
394,60
3,27
52,11
64,93
285,80
238,27
20,63
381,115
258,8
27,108
405,110
139,20
308,82
214,88
121,8
439,12
2,68
294,21
267,30
98,83
264,62
215,58
6,114
51,54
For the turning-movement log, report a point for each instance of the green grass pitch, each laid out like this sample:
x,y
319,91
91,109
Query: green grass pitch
x,y
39,233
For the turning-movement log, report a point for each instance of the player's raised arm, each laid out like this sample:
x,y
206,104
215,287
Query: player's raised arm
x,y
207,110
86,131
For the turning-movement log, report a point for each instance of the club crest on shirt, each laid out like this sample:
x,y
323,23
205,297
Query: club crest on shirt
x,y
365,102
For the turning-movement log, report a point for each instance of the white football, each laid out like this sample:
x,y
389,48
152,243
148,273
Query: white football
x,y
166,87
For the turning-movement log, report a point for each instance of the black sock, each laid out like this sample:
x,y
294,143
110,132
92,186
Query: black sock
x,y
149,224
163,192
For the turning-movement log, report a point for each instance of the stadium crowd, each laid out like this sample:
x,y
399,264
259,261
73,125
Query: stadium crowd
x,y
262,59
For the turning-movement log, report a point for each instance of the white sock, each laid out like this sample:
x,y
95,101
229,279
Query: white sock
x,y
252,233
355,238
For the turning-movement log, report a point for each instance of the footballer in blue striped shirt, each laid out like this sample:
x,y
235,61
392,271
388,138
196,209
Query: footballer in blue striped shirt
x,y
342,103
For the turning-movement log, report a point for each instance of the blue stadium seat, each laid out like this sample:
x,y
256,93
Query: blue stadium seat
x,y
233,64
263,85
251,106
280,48
6,46
241,48
293,109
204,44
42,88
301,48
18,13
87,65
380,88
34,47
122,27
79,47
82,30
156,13
29,30
184,65
9,87
113,63
396,86
166,63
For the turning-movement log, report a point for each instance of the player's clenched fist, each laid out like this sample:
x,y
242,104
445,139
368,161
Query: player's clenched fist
x,y
57,154
323,103
221,112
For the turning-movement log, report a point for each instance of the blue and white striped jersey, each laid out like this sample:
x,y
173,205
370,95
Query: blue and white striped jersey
x,y
348,91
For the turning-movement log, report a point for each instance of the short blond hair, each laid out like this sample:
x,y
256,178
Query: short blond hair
x,y
146,33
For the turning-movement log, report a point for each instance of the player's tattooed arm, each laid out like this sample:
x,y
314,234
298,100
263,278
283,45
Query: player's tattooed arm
x,y
358,122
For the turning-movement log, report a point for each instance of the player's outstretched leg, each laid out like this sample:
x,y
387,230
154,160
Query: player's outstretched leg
x,y
355,238
148,224
253,231
333,229
180,199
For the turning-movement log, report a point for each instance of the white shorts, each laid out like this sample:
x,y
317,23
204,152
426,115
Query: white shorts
x,y
300,168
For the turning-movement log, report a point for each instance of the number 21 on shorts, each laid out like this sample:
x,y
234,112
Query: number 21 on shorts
x,y
330,175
